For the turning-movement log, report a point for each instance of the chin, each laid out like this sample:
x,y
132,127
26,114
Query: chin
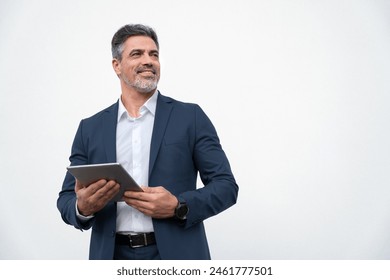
x,y
146,87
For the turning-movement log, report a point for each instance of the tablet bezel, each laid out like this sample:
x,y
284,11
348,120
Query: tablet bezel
x,y
90,173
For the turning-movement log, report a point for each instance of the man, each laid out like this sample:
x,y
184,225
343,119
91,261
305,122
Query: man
x,y
163,144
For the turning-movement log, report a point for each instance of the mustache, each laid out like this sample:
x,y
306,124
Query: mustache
x,y
146,68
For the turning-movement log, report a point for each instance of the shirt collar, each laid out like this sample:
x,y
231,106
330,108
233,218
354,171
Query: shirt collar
x,y
149,105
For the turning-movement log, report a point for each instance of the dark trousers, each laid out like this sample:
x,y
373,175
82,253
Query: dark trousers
x,y
125,252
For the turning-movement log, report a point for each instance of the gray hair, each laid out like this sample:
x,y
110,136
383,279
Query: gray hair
x,y
119,38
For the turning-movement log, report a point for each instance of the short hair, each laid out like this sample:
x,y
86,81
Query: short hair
x,y
127,31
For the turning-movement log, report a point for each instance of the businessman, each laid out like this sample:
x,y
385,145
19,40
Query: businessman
x,y
164,144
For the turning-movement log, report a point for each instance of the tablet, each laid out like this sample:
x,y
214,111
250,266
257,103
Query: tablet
x,y
91,173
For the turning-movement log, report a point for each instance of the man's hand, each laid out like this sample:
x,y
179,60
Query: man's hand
x,y
156,202
92,198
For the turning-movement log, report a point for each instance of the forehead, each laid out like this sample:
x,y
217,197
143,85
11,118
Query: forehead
x,y
139,42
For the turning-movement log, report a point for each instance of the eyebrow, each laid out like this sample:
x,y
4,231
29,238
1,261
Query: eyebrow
x,y
142,51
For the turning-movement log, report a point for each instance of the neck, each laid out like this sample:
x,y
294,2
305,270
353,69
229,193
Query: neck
x,y
133,100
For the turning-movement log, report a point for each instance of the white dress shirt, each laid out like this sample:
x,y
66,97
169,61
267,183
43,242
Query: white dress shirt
x,y
133,138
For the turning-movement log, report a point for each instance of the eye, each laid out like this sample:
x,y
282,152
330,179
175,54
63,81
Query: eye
x,y
155,54
135,54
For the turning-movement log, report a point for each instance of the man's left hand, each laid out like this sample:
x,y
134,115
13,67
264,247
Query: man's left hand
x,y
156,202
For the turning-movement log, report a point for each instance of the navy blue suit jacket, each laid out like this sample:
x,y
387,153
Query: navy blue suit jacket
x,y
184,142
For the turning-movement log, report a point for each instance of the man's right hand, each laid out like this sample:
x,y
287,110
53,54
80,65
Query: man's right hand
x,y
92,198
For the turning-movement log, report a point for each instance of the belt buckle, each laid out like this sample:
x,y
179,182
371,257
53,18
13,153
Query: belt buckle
x,y
138,246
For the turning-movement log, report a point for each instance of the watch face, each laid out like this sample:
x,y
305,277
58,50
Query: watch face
x,y
181,211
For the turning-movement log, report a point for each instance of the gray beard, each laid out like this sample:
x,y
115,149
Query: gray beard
x,y
142,85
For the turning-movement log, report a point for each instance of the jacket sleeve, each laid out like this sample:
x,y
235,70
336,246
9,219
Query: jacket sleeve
x,y
66,202
220,189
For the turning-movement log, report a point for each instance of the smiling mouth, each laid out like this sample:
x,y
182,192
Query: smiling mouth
x,y
147,71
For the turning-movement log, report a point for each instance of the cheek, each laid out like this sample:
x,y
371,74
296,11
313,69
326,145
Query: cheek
x,y
158,69
129,70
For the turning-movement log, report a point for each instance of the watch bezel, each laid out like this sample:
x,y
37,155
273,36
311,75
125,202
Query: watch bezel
x,y
181,211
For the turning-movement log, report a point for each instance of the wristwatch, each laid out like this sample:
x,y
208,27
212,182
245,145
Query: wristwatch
x,y
181,211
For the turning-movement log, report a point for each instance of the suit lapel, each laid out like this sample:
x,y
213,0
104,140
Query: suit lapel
x,y
163,111
109,132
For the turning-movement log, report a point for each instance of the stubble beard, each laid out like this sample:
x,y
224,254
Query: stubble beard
x,y
143,85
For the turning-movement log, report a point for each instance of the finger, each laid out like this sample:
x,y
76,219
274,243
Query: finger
x,y
95,187
142,195
112,191
158,189
109,190
136,203
141,206
136,195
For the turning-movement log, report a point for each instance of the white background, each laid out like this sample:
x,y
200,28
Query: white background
x,y
297,89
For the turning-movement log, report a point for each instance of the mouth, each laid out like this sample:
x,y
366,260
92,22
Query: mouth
x,y
146,71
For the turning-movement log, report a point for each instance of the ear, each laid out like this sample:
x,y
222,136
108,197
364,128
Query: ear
x,y
116,65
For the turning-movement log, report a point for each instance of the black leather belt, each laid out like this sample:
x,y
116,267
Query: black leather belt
x,y
135,241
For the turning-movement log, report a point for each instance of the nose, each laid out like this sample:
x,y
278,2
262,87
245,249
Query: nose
x,y
147,59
